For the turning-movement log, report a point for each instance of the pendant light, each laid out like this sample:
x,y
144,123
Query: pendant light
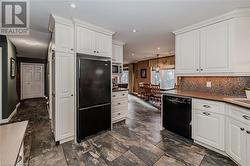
x,y
157,69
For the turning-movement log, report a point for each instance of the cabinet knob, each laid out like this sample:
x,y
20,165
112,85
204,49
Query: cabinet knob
x,y
118,103
201,69
97,51
248,132
94,51
71,95
206,106
206,113
242,129
113,96
71,49
197,69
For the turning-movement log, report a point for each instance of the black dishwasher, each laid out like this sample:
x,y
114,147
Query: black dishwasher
x,y
177,115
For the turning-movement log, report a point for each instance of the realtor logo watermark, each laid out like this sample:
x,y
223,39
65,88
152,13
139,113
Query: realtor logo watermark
x,y
14,17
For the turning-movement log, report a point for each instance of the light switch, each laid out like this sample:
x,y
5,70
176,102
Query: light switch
x,y
209,84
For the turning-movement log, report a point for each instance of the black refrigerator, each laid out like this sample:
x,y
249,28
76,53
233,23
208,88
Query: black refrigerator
x,y
94,95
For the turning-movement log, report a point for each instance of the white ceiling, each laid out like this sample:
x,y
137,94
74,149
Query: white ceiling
x,y
154,21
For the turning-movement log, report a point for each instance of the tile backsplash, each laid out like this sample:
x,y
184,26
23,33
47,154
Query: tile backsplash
x,y
220,85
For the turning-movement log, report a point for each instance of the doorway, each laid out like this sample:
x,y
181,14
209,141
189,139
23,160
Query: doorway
x,y
32,80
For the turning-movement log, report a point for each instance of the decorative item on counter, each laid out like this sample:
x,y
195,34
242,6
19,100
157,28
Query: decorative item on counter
x,y
247,90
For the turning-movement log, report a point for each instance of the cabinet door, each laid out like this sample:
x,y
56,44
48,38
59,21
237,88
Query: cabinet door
x,y
209,129
64,95
64,38
117,53
236,140
85,41
103,44
187,52
248,146
214,48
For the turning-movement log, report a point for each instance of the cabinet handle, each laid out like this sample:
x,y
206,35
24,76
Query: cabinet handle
x,y
248,132
246,117
113,96
71,49
197,69
206,106
206,113
119,114
97,51
94,51
72,95
19,159
201,69
118,103
123,94
242,129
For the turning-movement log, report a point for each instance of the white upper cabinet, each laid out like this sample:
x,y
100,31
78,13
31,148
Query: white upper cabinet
x,y
93,40
219,46
214,41
85,41
64,38
103,44
117,52
187,49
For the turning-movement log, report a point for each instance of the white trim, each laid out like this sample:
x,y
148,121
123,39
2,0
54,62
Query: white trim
x,y
92,27
241,12
11,115
21,82
1,108
56,19
119,43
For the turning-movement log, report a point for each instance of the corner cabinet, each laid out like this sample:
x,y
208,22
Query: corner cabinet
x,y
93,40
219,46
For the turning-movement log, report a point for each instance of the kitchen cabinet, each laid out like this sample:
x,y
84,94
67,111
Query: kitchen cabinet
x,y
208,123
117,52
214,45
92,42
64,38
119,106
218,46
237,134
236,140
187,51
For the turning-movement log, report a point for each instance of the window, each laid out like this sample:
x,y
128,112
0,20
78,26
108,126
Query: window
x,y
164,77
124,77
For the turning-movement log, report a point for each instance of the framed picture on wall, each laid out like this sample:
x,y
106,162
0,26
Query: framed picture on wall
x,y
12,67
143,73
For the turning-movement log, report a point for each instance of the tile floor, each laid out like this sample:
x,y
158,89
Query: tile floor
x,y
138,141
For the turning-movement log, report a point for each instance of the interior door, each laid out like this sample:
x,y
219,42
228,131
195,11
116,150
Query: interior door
x,y
32,77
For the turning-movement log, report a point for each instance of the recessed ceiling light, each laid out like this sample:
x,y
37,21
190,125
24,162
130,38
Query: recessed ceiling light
x,y
72,5
133,54
134,30
158,48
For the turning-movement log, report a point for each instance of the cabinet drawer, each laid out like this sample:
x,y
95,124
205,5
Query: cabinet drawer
x,y
120,108
208,105
239,113
118,115
116,103
116,95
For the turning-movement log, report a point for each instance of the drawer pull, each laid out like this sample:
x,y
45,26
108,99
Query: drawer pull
x,y
114,96
206,106
123,94
119,114
242,129
248,132
206,113
246,117
118,103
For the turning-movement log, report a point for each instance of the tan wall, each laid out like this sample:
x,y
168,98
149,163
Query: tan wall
x,y
148,64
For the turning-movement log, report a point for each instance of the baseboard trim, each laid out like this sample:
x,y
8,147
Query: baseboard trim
x,y
11,115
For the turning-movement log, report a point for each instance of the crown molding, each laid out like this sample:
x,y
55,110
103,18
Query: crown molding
x,y
116,42
56,19
241,12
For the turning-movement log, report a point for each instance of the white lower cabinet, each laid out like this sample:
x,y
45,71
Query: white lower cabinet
x,y
236,140
248,145
119,106
209,129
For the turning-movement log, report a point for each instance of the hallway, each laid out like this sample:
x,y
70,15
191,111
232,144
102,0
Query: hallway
x,y
138,142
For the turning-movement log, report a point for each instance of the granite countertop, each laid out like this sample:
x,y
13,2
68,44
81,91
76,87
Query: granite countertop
x,y
243,102
119,89
11,139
